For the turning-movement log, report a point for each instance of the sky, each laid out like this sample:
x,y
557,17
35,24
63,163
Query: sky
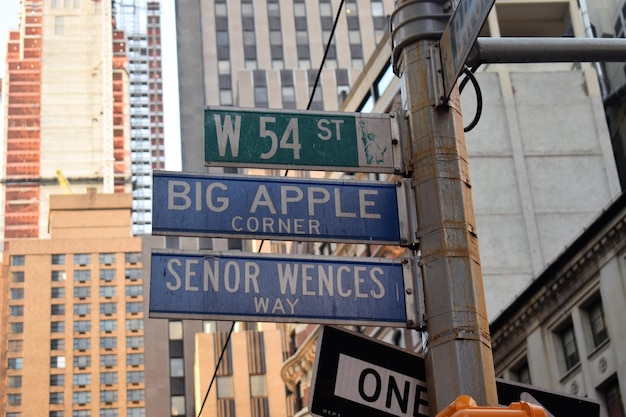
x,y
9,21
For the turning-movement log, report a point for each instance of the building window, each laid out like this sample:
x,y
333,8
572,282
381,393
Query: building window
x,y
16,311
16,328
14,399
57,380
134,341
134,359
140,412
522,374
17,260
134,290
134,377
176,330
177,367
57,292
613,399
257,386
57,309
82,259
82,275
82,292
178,405
17,276
81,379
135,395
57,344
58,259
82,343
108,325
108,412
56,398
82,309
108,360
133,273
17,293
108,342
14,381
82,326
57,362
595,312
570,350
57,326
82,413
15,345
108,396
108,308
107,258
108,291
134,324
82,361
107,274
14,363
81,397
134,307
132,257
57,276
224,386
108,378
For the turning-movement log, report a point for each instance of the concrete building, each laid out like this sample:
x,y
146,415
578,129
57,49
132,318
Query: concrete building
x,y
73,314
66,108
565,331
540,170
84,108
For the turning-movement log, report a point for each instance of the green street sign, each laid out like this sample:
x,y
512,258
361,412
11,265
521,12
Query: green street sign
x,y
325,141
459,37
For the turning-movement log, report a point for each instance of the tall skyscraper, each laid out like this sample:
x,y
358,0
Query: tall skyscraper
x,y
141,22
73,314
66,110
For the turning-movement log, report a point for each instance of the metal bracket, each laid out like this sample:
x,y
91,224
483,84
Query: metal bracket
x,y
398,144
407,213
414,294
436,70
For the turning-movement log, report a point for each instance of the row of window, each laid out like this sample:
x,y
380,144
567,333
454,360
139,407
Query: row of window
x,y
597,334
106,291
105,412
83,259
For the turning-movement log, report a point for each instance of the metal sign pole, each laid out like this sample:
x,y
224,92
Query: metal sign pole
x,y
458,358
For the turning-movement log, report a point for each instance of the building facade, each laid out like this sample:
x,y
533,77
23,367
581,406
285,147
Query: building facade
x,y
540,171
66,109
565,331
73,314
141,22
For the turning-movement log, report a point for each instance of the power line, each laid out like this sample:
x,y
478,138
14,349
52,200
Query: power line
x,y
317,78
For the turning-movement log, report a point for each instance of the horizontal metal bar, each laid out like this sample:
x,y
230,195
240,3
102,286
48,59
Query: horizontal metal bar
x,y
535,50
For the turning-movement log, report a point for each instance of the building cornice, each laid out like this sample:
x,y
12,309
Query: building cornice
x,y
301,362
574,269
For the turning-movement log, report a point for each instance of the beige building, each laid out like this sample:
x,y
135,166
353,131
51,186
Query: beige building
x,y
73,314
247,382
565,332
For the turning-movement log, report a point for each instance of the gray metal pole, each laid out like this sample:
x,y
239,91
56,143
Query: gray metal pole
x,y
458,358
534,50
